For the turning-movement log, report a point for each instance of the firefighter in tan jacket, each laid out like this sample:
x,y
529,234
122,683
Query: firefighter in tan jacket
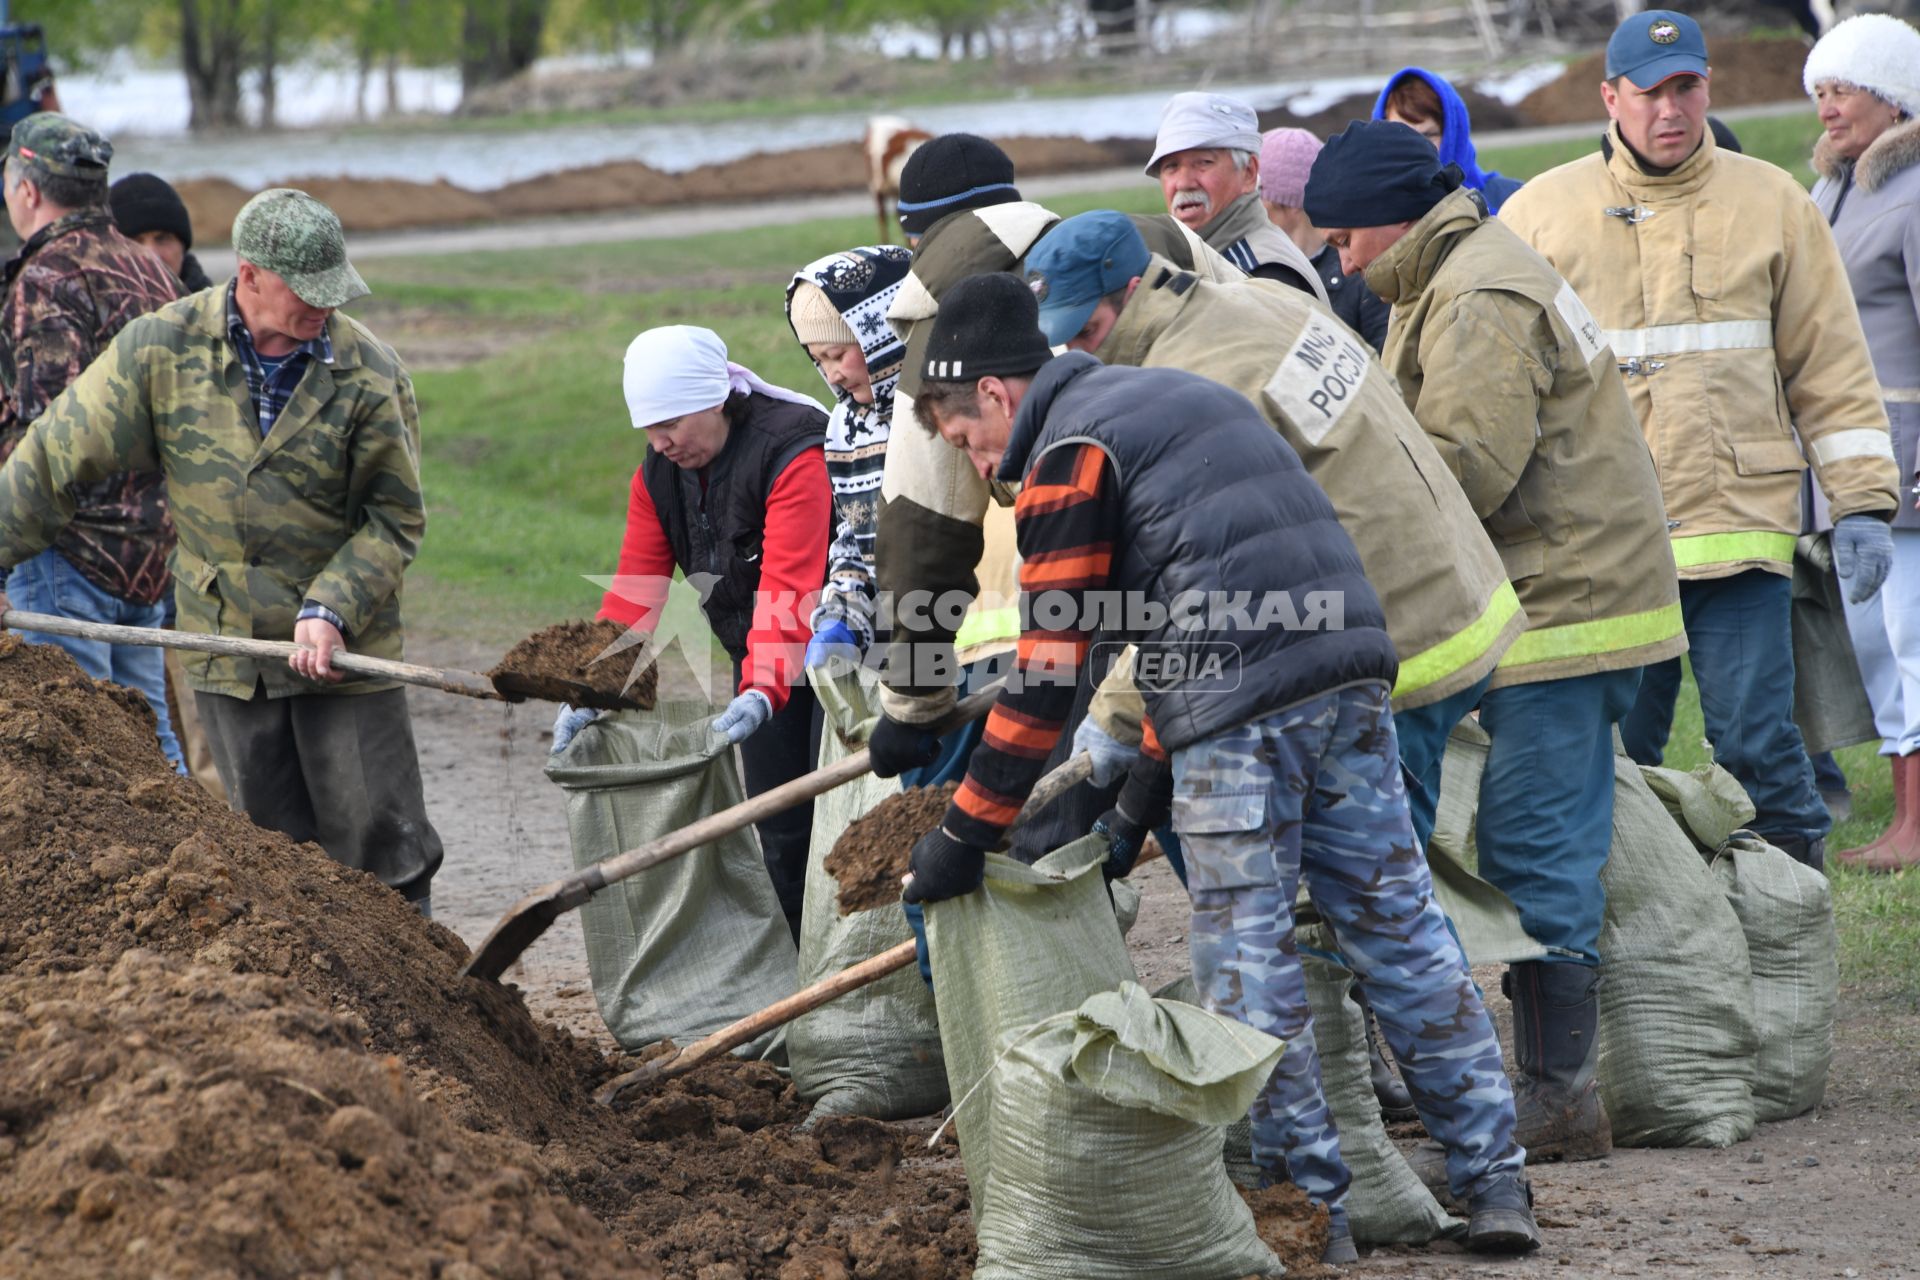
x,y
1450,609
1725,301
1510,377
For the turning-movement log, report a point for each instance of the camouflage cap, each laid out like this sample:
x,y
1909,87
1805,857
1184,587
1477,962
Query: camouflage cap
x,y
298,239
62,144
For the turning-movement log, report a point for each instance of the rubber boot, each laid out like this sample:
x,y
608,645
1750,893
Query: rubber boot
x,y
1557,1106
1500,1217
1900,846
1396,1104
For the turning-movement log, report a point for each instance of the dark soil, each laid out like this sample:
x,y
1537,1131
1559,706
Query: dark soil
x,y
223,1054
871,854
1293,1227
1486,114
569,662
1747,71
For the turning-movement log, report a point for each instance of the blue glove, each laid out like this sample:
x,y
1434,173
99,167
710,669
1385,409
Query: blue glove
x,y
570,721
943,867
1111,757
832,641
1862,554
743,715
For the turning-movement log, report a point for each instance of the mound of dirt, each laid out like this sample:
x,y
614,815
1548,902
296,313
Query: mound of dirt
x,y
1747,71
570,662
1487,114
288,1066
1293,1226
871,854
390,204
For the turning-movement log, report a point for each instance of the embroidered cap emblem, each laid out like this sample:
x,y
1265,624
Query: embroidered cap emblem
x,y
1663,32
1038,283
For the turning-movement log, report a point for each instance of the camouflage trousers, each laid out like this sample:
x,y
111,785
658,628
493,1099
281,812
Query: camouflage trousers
x,y
1316,791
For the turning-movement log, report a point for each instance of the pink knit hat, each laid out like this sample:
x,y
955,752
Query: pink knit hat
x,y
1286,157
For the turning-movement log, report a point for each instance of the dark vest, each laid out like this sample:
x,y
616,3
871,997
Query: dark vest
x,y
721,531
1218,511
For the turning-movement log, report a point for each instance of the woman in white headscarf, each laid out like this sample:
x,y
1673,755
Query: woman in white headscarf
x,y
733,492
1864,75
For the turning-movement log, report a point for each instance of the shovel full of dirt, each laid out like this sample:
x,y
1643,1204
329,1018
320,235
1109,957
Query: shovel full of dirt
x,y
534,914
906,817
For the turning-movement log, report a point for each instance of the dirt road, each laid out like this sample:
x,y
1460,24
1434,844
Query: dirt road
x,y
1833,1194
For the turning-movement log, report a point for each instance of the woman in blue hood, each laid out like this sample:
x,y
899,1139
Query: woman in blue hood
x,y
1426,102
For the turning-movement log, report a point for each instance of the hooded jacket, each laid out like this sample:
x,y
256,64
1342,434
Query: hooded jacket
x,y
1508,373
1721,292
1449,607
860,284
1874,207
941,527
1456,136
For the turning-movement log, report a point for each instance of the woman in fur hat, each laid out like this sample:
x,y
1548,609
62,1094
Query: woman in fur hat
x,y
1864,74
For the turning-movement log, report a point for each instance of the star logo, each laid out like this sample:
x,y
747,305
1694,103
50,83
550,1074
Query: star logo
x,y
675,603
1663,32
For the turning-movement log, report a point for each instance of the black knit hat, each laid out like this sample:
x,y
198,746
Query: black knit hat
x,y
987,324
144,202
1374,174
955,171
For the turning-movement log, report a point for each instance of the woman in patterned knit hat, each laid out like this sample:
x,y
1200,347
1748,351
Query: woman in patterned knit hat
x,y
837,306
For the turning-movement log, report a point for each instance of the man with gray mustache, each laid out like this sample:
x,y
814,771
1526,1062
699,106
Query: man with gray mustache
x,y
1207,158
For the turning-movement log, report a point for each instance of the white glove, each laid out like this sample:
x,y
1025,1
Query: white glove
x,y
570,721
1111,758
743,715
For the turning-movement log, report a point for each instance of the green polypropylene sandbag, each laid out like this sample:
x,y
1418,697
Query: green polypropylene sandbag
x,y
1677,1032
875,1051
1107,1159
684,948
1786,909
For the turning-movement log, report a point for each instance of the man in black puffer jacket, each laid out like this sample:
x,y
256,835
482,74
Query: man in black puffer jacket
x,y
1265,667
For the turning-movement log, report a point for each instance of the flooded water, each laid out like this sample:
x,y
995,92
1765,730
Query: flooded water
x,y
145,113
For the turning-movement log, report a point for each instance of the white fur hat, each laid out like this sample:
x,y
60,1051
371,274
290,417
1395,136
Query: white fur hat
x,y
1873,52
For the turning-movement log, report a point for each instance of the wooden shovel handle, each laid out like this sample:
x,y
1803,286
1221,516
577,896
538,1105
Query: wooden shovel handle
x,y
730,1037
470,683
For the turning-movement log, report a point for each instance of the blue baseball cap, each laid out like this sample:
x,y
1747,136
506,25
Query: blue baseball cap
x,y
1656,46
1079,262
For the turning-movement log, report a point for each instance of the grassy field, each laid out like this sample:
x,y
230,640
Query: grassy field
x,y
529,452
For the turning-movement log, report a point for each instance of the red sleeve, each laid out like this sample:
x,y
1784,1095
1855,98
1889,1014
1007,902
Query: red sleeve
x,y
793,564
646,565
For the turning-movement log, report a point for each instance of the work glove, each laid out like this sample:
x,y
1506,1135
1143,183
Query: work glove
x,y
1862,554
570,721
743,715
1111,757
832,641
893,748
1143,804
1125,838
943,868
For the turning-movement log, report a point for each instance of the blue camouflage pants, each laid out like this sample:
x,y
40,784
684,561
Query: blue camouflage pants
x,y
1316,790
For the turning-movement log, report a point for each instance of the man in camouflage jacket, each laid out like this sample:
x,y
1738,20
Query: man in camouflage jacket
x,y
290,441
74,284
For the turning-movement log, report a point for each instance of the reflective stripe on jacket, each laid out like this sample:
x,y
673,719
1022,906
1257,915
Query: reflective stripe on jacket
x,y
1724,299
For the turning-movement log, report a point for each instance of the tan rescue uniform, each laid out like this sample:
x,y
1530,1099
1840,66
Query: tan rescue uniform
x,y
1509,376
1725,301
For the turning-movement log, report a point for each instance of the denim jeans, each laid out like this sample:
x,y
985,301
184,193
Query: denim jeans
x,y
1423,746
48,583
1546,803
1740,641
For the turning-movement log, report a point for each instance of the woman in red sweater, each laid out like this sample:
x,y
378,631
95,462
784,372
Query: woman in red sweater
x,y
733,492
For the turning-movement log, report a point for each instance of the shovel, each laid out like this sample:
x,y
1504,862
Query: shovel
x,y
470,683
728,1038
534,914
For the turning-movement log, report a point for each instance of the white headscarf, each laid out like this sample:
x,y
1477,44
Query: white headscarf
x,y
681,368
